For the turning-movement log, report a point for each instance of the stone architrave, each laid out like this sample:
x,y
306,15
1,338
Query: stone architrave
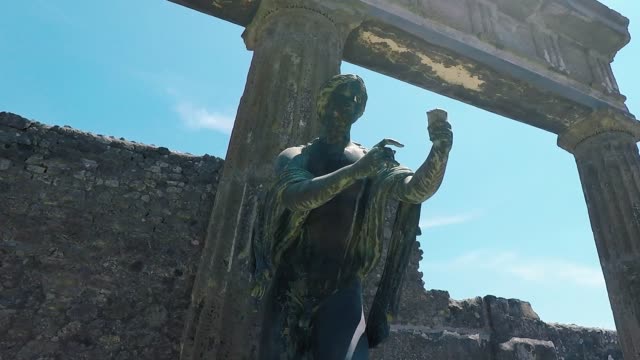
x,y
606,152
546,63
296,49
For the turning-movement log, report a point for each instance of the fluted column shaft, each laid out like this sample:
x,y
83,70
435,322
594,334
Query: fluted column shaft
x,y
608,162
295,51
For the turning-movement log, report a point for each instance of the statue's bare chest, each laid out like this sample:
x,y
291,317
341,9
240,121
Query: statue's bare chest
x,y
331,223
322,164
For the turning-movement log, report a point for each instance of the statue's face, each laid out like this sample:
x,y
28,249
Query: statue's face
x,y
347,101
343,109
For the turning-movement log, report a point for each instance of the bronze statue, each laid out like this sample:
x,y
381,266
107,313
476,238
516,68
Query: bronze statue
x,y
322,231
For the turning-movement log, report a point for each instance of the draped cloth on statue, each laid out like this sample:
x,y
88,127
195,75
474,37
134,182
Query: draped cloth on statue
x,y
282,230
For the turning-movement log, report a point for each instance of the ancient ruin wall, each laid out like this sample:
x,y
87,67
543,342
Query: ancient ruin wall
x,y
100,240
433,326
99,243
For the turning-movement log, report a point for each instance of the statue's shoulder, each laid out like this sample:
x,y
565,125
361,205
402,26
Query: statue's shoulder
x,y
291,152
355,151
293,156
360,146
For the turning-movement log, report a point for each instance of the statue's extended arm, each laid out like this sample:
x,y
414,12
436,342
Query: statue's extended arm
x,y
313,193
427,179
310,194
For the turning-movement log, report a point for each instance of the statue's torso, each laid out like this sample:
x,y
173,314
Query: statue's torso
x,y
328,228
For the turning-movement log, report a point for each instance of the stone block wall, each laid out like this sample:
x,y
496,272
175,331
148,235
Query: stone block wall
x,y
99,245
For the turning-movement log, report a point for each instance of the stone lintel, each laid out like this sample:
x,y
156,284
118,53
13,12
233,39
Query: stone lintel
x,y
515,58
477,78
598,122
237,12
527,71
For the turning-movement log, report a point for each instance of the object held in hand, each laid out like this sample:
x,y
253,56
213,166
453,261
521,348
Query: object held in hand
x,y
436,115
385,142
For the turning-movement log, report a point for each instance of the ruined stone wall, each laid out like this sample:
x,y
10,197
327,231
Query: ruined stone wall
x,y
432,326
100,240
99,243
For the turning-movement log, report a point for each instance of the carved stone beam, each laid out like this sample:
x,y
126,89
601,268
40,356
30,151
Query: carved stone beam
x,y
606,152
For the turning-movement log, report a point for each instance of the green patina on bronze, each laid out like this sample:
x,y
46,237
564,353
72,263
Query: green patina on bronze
x,y
283,227
283,230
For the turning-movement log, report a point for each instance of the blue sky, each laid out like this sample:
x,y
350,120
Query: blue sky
x,y
510,219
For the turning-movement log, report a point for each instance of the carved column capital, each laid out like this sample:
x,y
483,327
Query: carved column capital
x,y
331,12
601,121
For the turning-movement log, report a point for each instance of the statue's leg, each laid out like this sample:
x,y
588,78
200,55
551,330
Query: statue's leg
x,y
338,325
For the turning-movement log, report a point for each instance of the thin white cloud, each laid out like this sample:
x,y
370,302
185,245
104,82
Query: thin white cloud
x,y
437,221
199,117
539,270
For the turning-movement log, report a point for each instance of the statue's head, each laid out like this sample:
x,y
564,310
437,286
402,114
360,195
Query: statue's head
x,y
341,102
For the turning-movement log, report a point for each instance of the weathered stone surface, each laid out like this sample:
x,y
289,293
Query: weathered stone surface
x,y
526,349
14,121
578,343
88,268
606,153
424,343
513,318
482,335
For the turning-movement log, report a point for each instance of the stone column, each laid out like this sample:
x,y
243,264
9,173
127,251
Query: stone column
x,y
296,49
606,153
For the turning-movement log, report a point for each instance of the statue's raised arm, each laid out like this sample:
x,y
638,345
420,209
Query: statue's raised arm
x,y
425,182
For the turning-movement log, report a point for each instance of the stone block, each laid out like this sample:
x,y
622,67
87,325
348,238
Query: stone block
x,y
513,318
426,344
14,121
4,164
36,169
526,349
38,349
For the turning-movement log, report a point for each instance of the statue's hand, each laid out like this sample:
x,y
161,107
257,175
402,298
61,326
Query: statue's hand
x,y
440,130
378,158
